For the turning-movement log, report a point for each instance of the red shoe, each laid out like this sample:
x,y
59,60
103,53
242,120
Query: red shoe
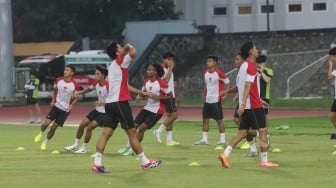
x,y
268,164
151,164
99,169
224,160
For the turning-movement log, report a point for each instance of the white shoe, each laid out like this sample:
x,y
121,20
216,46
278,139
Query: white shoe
x,y
81,150
157,136
31,121
71,148
172,143
221,143
38,121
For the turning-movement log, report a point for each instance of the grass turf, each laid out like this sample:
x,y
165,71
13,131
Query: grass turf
x,y
305,160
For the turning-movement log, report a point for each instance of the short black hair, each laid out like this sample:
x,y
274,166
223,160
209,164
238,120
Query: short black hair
x,y
245,49
214,57
332,51
168,54
33,72
261,59
112,49
102,69
158,68
73,69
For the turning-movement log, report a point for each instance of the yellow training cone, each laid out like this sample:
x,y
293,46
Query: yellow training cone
x,y
20,148
194,164
55,152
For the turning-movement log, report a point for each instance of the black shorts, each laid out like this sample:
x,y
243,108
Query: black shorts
x,y
252,119
170,105
58,115
235,114
213,110
31,101
333,106
147,117
118,112
266,110
96,116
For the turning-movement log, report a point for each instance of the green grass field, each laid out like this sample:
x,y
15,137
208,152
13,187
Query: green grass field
x,y
305,160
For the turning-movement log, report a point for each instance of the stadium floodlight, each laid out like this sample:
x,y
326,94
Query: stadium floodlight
x,y
263,52
332,45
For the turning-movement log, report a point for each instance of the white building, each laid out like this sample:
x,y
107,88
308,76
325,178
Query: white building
x,y
252,15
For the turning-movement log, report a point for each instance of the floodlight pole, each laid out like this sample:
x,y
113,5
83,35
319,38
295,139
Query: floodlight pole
x,y
267,15
6,52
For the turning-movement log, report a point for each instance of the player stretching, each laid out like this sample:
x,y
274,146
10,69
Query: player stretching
x,y
96,116
117,107
171,110
61,104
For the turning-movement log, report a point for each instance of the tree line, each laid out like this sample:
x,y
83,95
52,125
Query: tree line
x,y
59,20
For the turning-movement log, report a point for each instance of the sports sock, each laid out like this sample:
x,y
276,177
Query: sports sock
x,y
77,142
253,147
222,137
205,136
227,150
85,145
264,156
161,129
143,159
98,159
169,136
45,141
128,145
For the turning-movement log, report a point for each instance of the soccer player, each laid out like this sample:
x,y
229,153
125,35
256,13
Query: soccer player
x,y
250,109
251,133
96,116
332,76
32,87
238,62
214,82
61,104
155,106
265,75
117,108
171,110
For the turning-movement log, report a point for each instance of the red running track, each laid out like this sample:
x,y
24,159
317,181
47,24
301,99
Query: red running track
x,y
19,114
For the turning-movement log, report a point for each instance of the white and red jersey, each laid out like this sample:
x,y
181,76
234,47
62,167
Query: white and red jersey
x,y
64,91
170,81
214,83
118,80
157,87
248,73
334,74
102,91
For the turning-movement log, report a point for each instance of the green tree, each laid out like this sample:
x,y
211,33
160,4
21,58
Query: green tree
x,y
42,20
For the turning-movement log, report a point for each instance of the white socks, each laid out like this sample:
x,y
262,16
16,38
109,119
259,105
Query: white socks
x,y
205,136
143,159
169,136
227,150
161,129
253,147
98,159
264,156
222,137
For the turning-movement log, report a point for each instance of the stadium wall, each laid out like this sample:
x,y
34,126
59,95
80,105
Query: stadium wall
x,y
288,52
